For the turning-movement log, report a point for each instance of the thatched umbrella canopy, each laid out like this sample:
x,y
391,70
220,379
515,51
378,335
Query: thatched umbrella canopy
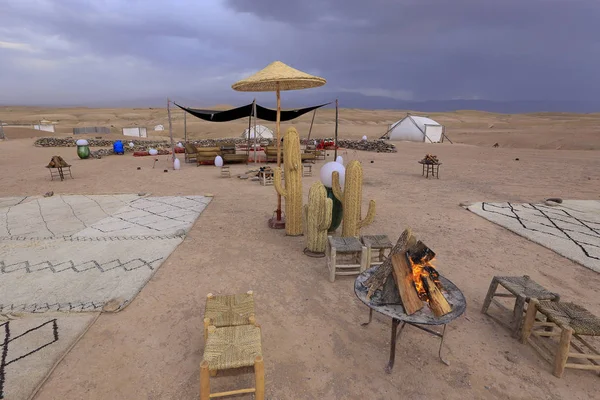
x,y
276,77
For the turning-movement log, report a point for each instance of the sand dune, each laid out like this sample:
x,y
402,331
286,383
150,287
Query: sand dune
x,y
536,130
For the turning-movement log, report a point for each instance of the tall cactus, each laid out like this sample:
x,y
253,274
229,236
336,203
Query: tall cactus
x,y
317,218
292,167
351,199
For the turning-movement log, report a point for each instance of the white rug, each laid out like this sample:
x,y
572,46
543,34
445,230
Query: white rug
x,y
30,347
571,229
77,253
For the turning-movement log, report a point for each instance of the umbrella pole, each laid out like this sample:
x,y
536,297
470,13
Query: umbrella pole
x,y
277,126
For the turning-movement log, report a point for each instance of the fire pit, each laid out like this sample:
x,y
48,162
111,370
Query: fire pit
x,y
407,288
431,164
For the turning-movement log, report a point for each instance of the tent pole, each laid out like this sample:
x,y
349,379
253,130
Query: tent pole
x,y
311,123
185,126
277,127
171,129
249,132
255,116
336,129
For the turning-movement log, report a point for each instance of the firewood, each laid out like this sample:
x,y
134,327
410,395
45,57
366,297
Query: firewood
x,y
437,302
384,271
403,275
420,253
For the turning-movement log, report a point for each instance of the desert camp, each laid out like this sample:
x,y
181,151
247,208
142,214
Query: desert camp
x,y
283,225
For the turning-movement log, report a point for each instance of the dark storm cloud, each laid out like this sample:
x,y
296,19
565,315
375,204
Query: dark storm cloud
x,y
405,49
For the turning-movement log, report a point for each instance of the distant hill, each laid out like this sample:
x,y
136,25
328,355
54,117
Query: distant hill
x,y
303,98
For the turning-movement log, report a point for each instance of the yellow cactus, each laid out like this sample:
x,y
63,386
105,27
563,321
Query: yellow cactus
x,y
317,218
292,192
351,199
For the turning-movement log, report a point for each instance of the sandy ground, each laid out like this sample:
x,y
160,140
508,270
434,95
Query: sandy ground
x,y
313,344
537,130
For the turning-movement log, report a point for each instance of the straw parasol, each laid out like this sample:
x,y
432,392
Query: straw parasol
x,y
276,77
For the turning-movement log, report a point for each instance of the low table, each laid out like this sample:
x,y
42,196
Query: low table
x,y
434,168
392,307
59,172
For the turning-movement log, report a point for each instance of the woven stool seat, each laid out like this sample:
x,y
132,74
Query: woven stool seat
x,y
229,310
571,315
345,244
524,285
232,347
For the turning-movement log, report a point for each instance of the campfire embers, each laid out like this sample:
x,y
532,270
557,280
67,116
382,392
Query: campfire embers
x,y
430,159
416,279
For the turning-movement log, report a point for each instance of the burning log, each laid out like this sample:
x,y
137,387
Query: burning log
x,y
379,277
426,279
406,287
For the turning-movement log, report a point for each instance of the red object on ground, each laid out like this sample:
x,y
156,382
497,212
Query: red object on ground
x,y
140,153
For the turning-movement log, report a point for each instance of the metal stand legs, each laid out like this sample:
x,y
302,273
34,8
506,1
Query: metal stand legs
x,y
396,334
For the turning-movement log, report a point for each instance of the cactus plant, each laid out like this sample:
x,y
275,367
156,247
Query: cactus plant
x,y
351,199
292,192
317,218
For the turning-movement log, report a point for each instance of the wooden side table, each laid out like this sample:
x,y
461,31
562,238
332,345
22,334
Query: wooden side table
x,y
376,242
307,170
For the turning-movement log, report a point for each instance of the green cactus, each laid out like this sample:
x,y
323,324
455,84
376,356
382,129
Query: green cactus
x,y
292,192
351,199
317,218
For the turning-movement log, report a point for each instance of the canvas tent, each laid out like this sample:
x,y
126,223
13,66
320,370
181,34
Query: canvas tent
x,y
262,132
413,128
135,132
159,128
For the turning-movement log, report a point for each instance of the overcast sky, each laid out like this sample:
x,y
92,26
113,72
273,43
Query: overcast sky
x,y
81,51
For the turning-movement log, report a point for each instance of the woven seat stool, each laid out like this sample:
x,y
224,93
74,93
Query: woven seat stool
x,y
572,321
376,242
345,256
228,310
232,347
523,288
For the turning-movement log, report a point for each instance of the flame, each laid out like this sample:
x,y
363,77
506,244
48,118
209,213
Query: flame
x,y
421,270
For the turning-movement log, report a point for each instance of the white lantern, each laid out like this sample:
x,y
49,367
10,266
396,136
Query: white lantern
x,y
340,160
153,152
131,145
218,161
365,138
176,164
327,170
81,142
179,145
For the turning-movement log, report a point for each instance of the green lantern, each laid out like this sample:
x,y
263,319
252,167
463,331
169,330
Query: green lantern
x,y
83,148
337,212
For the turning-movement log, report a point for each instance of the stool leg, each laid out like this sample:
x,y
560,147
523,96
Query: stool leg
x,y
562,354
259,376
206,325
517,321
204,381
381,254
365,259
333,265
369,256
490,294
529,320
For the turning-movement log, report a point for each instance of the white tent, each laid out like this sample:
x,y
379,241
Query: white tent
x,y
159,128
135,132
262,132
413,128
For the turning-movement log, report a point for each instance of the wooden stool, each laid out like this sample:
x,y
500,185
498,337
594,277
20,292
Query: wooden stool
x,y
307,170
523,288
225,173
228,310
232,347
572,321
352,249
59,172
376,242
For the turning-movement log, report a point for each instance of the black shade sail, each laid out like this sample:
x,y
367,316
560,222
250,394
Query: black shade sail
x,y
263,113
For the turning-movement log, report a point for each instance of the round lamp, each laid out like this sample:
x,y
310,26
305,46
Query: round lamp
x,y
153,152
327,170
340,160
218,161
